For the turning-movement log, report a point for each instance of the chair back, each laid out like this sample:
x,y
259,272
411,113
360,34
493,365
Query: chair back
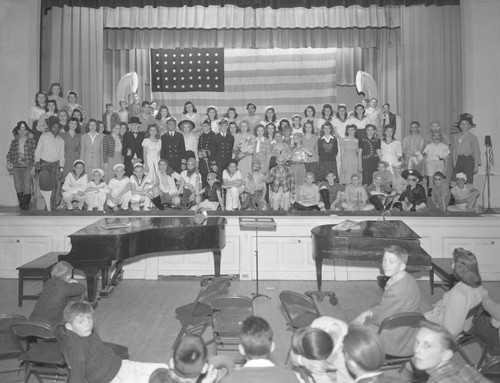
x,y
213,289
229,312
491,369
297,305
30,329
408,319
8,347
475,311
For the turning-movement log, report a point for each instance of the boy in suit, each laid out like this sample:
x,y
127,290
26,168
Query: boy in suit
x,y
132,146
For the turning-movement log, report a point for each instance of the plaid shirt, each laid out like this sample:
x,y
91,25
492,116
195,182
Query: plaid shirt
x,y
13,155
108,148
453,373
281,177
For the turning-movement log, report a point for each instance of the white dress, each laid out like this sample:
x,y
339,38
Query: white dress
x,y
233,193
152,158
391,152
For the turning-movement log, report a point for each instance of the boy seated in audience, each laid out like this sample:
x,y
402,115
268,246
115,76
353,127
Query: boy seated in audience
x,y
254,192
401,294
92,360
307,197
190,364
56,294
256,344
433,350
464,194
331,192
141,190
119,189
281,185
355,197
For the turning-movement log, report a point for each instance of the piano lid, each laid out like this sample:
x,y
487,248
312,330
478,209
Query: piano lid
x,y
118,226
370,229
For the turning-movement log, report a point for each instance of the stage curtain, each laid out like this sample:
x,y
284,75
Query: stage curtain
x,y
230,16
119,62
241,38
75,54
432,66
241,3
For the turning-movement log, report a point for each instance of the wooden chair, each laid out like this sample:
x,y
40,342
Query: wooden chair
x,y
228,314
195,316
299,310
409,320
42,358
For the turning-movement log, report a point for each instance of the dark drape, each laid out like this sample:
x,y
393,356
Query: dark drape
x,y
275,4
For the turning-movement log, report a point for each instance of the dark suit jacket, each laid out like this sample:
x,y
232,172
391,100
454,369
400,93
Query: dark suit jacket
x,y
173,149
135,146
222,151
392,120
115,120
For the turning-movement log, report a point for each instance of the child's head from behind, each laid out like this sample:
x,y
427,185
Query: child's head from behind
x,y
78,318
312,343
465,267
256,338
62,270
190,357
363,350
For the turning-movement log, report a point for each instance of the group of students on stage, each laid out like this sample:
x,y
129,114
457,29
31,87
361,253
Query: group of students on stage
x,y
138,156
342,350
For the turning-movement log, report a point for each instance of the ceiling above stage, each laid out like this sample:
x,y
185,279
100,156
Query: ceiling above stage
x,y
240,3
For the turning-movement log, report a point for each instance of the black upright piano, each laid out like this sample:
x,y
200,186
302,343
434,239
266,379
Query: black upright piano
x,y
95,247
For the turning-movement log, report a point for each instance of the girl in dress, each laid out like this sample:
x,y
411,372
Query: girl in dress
x,y
243,149
270,114
64,117
77,113
190,113
310,115
328,148
349,158
97,191
368,154
359,119
296,124
298,158
270,130
340,122
231,114
72,102
119,189
161,117
72,144
213,116
75,185
326,115
310,142
390,148
190,184
262,149
233,183
355,197
111,152
36,111
51,111
283,124
436,157
91,146
234,130
55,93
151,149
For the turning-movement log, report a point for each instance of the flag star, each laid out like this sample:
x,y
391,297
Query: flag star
x,y
199,62
165,63
166,86
173,70
199,54
175,86
199,77
199,85
182,54
175,55
157,62
191,85
190,54
216,78
157,70
208,86
208,62
158,78
206,70
165,55
216,54
190,77
166,78
182,62
189,70
157,55
165,70
182,70
216,85
190,62
173,63
183,86
208,77
175,78
199,69
216,69
216,62
182,78
208,54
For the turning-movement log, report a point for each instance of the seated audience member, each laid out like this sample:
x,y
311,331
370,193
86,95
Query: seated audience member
x,y
92,360
254,192
401,294
432,353
331,192
190,184
166,185
315,346
190,364
141,190
256,344
377,195
364,355
387,177
97,191
436,156
414,197
307,198
232,182
355,197
119,189
281,185
210,197
75,185
451,311
56,294
465,195
440,195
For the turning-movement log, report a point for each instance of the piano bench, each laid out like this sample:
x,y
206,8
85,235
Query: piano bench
x,y
443,267
38,269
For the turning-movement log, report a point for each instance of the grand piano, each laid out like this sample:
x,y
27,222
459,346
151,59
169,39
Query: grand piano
x,y
365,242
96,247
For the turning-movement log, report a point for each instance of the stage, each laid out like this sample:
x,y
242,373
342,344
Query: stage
x,y
284,254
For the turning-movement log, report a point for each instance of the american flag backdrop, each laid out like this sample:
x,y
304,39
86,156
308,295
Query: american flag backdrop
x,y
288,79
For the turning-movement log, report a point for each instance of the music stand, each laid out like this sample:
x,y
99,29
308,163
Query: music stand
x,y
264,224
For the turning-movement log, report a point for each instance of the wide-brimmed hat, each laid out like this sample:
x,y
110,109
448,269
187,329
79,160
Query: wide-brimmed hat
x,y
190,122
411,172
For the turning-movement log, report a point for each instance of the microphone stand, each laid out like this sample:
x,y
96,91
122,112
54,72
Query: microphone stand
x,y
489,210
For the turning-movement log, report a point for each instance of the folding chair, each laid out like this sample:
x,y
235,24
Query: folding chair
x,y
8,347
42,358
467,337
408,319
228,314
491,369
299,310
195,316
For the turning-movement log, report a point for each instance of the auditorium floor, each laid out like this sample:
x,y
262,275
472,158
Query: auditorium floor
x,y
140,313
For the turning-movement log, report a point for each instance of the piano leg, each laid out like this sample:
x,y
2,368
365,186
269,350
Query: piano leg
x,y
320,295
217,258
91,274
